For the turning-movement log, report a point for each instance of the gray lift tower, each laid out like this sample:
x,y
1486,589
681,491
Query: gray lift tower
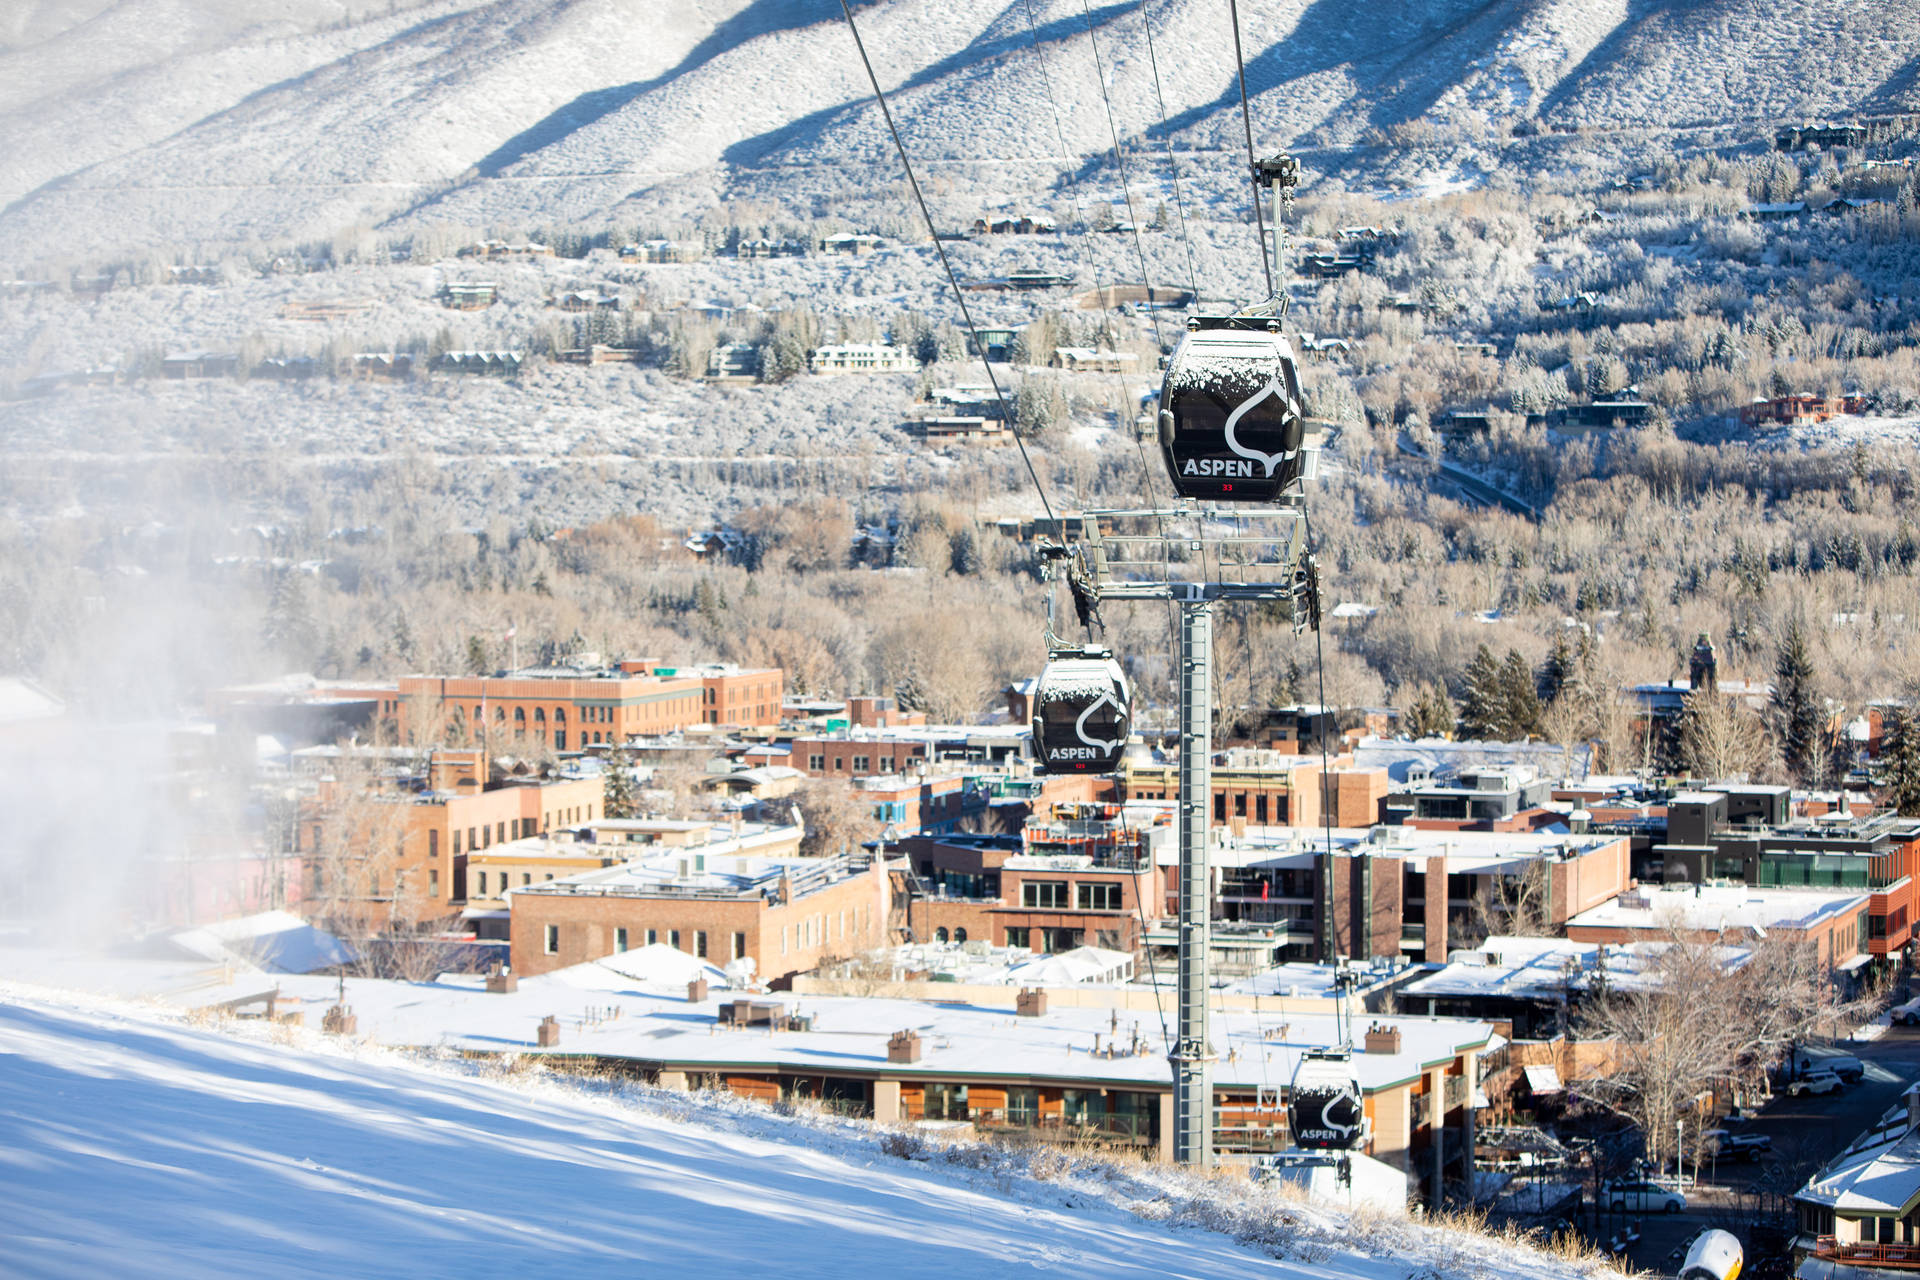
x,y
1257,557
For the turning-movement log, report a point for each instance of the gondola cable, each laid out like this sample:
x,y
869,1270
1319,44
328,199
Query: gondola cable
x,y
1173,169
1246,121
953,281
1146,476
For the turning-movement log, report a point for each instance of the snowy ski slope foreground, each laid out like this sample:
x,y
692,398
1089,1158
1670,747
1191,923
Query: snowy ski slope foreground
x,y
131,1145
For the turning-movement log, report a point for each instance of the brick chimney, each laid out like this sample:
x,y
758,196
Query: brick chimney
x,y
502,980
903,1046
696,991
339,1020
1382,1039
1030,1003
549,1035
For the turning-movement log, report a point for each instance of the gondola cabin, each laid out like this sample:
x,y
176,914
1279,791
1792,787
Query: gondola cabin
x,y
1082,712
1715,1255
1324,1108
1231,426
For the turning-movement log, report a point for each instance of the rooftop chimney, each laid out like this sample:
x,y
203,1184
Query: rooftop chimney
x,y
1382,1039
696,991
549,1035
1030,1003
903,1046
502,980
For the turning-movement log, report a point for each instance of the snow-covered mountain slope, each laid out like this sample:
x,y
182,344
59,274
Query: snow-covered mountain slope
x,y
132,1145
275,120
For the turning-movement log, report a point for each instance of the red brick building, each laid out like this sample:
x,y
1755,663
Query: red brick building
x,y
786,914
396,850
568,709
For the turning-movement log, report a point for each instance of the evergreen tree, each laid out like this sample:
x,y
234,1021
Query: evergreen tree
x,y
479,662
1519,704
1900,760
964,551
1556,671
1482,708
288,628
1431,714
623,798
1796,706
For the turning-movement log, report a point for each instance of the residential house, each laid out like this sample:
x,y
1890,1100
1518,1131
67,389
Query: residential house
x,y
1088,360
860,357
199,364
495,364
468,295
857,244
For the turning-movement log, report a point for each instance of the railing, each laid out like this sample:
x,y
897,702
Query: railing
x,y
1128,1128
1892,1255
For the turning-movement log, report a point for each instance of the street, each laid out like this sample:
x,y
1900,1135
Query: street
x,y
1807,1131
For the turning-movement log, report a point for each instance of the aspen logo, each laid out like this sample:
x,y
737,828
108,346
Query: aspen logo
x,y
1099,745
1272,460
1218,467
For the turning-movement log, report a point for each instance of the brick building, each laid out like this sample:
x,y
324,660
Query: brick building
x,y
1263,787
1079,874
569,708
1836,922
786,914
395,850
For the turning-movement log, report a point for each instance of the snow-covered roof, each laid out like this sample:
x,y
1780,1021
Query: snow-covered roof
x,y
1883,1179
278,941
1711,907
1071,968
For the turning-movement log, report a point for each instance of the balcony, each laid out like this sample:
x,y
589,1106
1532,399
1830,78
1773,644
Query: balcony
x,y
1025,1123
1905,1257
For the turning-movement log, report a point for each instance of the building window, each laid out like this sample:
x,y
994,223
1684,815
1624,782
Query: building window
x,y
960,934
653,937
619,939
482,878
553,939
1016,937
559,739
1051,894
816,764
861,764
456,842
503,832
700,943
673,939
526,878
739,946
1097,897
433,844
433,881
940,934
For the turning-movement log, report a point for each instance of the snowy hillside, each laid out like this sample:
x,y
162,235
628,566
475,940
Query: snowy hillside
x,y
135,1145
261,124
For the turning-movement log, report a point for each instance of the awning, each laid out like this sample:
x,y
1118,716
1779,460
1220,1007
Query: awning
x,y
1854,962
1542,1078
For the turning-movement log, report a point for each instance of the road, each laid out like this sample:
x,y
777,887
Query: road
x,y
1806,1131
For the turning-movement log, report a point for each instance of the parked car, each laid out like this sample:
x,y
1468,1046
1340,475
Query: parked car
x,y
1642,1197
1906,1015
1844,1065
1745,1146
1821,1080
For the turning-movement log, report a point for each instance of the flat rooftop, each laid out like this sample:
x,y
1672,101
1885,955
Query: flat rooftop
x,y
1708,907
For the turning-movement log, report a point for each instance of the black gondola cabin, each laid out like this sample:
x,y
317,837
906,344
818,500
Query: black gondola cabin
x,y
1082,712
1231,426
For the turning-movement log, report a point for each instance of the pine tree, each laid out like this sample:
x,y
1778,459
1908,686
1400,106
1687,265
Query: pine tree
x,y
1556,671
479,662
623,797
1900,760
1520,706
1482,709
1430,715
1795,705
